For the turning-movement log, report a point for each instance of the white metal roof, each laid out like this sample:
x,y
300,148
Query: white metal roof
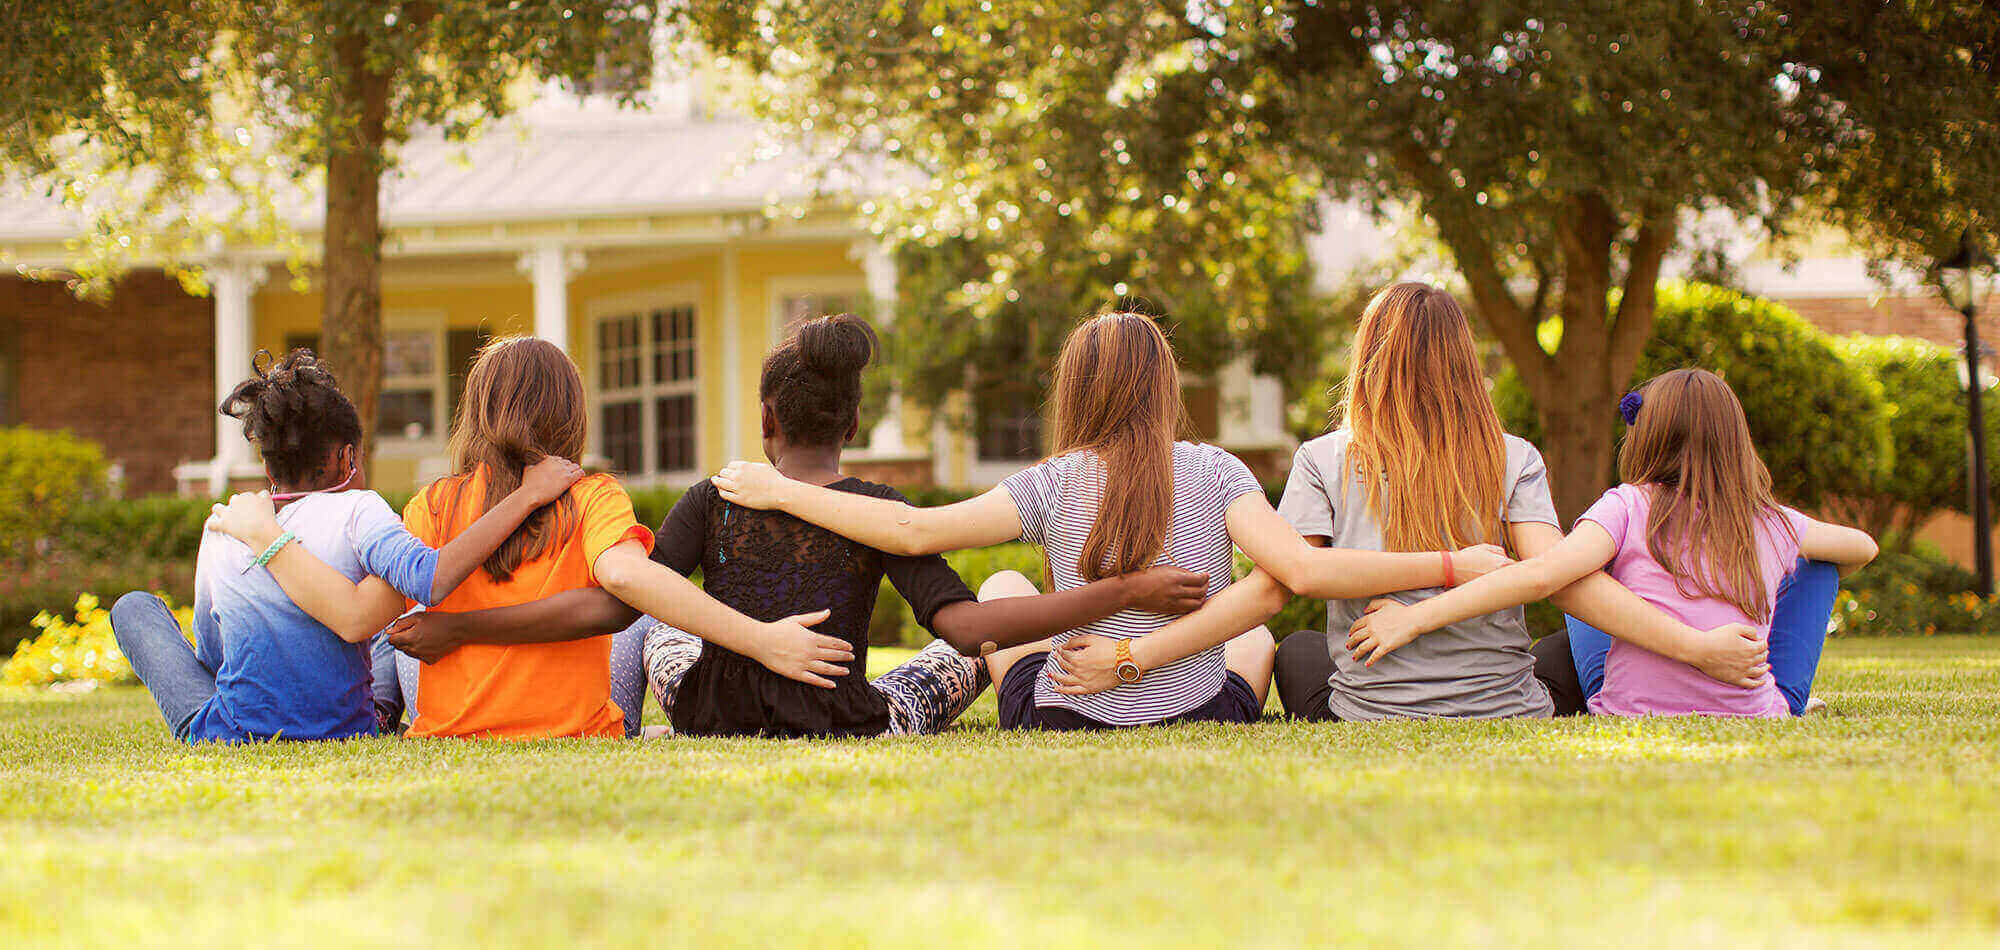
x,y
552,162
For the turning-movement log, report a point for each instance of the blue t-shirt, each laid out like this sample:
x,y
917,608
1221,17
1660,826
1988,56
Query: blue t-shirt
x,y
280,674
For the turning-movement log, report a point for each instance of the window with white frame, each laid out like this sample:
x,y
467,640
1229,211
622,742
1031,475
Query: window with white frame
x,y
413,377
417,389
646,389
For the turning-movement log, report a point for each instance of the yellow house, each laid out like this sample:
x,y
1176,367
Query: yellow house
x,y
665,250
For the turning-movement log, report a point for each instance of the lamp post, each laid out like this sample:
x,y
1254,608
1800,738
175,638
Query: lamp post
x,y
1963,278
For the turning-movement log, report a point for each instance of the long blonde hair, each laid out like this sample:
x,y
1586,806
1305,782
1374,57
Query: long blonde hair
x,y
1425,441
1118,395
1690,446
523,401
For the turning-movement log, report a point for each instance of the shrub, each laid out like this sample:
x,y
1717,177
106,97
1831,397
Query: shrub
x,y
79,648
44,477
1926,408
1914,593
895,625
1821,424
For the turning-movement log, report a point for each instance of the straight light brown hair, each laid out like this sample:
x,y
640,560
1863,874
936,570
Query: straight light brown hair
x,y
1690,447
1118,396
523,402
1425,443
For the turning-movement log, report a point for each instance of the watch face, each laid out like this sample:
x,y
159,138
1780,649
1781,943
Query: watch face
x,y
1128,672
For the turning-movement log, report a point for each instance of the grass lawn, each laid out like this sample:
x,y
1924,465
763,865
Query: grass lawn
x,y
1879,823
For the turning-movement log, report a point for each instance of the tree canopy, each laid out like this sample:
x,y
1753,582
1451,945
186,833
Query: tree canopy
x,y
1075,151
198,105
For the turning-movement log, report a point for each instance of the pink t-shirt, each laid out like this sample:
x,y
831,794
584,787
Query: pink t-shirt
x,y
1639,682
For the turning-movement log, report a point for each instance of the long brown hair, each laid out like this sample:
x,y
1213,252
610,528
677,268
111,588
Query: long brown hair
x,y
523,402
1118,395
1425,441
1690,446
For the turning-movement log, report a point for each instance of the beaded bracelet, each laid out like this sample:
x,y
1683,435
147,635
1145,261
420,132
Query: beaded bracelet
x,y
272,551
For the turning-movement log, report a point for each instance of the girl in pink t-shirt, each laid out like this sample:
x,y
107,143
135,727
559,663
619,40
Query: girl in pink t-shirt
x,y
1694,531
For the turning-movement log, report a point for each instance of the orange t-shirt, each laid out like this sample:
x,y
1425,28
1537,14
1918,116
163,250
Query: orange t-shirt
x,y
523,691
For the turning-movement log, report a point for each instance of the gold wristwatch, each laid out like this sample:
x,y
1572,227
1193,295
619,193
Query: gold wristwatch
x,y
1127,668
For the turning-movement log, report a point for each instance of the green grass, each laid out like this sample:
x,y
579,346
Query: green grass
x,y
1877,824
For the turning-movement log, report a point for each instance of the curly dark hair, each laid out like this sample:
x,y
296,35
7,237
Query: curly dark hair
x,y
812,381
294,412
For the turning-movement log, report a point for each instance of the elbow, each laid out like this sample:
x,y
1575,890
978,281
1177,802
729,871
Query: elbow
x,y
1286,577
617,578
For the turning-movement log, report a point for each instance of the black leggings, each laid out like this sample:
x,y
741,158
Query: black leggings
x,y
1304,670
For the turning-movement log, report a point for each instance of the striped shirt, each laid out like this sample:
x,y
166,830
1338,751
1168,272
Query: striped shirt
x,y
1059,500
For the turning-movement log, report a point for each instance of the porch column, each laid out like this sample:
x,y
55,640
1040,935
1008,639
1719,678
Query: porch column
x,y
733,395
1253,408
878,268
231,282
551,266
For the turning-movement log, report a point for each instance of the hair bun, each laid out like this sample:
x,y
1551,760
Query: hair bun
x,y
836,346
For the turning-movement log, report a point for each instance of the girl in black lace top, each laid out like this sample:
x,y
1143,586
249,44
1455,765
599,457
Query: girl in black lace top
x,y
771,566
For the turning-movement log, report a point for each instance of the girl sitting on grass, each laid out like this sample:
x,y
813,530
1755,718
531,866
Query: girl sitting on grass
x,y
273,658
1694,530
524,402
1121,495
1420,463
769,564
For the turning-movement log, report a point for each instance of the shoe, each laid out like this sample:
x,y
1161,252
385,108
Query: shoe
x,y
1815,706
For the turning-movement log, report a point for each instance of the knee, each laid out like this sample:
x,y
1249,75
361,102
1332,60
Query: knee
x,y
1256,640
1303,644
129,610
1007,584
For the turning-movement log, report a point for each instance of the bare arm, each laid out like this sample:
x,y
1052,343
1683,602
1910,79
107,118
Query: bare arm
x,y
1342,573
1848,548
787,647
1732,654
969,625
354,612
542,483
571,615
893,527
1089,664
1388,626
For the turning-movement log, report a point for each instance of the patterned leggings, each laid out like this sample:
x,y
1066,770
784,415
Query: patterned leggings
x,y
925,694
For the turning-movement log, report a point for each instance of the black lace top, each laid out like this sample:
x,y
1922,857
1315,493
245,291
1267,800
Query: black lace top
x,y
769,566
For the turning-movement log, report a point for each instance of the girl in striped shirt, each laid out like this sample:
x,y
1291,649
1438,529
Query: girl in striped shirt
x,y
1121,495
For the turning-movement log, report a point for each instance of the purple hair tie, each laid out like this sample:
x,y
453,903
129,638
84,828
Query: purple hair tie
x,y
1628,407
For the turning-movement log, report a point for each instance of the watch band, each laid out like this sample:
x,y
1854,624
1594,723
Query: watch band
x,y
1122,662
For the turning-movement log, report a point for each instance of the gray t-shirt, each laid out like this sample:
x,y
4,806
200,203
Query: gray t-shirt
x,y
1478,668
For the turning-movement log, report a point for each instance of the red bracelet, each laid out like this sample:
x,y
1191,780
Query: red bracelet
x,y
1450,578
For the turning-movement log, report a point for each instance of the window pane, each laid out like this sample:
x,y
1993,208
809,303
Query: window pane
x,y
675,418
461,347
621,435
618,352
409,353
673,345
405,414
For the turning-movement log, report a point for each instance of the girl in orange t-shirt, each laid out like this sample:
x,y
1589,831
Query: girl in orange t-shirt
x,y
552,676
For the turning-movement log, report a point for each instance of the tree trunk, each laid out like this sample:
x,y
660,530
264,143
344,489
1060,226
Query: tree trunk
x,y
1577,434
351,252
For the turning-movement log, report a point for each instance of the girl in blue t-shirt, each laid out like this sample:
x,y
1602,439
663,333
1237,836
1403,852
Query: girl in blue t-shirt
x,y
275,660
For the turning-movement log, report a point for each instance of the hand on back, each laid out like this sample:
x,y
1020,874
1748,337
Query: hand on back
x,y
1383,629
791,649
426,635
750,484
547,480
1166,589
249,517
1737,654
1084,665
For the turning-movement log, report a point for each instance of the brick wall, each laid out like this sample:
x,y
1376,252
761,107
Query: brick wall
x,y
1924,317
136,374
